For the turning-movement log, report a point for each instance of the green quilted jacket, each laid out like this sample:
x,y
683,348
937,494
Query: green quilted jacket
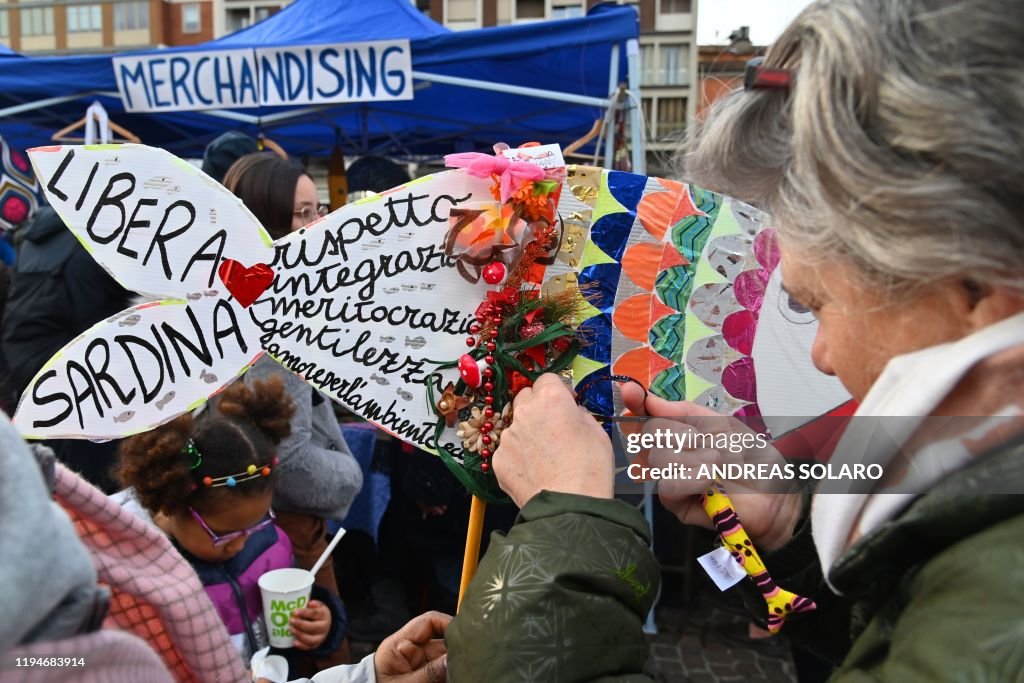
x,y
935,595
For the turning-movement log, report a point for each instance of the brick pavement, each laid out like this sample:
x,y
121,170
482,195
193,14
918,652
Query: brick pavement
x,y
689,648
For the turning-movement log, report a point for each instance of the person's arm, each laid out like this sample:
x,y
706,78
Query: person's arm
x,y
961,621
414,654
313,478
563,596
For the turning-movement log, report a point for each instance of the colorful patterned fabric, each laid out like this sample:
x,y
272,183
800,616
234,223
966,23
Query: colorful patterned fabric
x,y
155,594
19,191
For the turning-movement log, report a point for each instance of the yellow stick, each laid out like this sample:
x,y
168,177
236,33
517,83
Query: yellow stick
x,y
473,536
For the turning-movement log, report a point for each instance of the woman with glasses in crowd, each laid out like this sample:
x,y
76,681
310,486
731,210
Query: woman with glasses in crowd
x,y
318,476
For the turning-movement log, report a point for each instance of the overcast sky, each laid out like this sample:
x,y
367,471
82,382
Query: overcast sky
x,y
716,19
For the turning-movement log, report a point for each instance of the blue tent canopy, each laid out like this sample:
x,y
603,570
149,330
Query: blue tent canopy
x,y
308,23
461,99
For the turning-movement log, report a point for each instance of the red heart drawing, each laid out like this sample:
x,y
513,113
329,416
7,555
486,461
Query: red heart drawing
x,y
245,284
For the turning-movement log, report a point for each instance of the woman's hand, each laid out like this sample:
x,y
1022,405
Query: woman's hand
x,y
768,514
552,445
310,625
415,653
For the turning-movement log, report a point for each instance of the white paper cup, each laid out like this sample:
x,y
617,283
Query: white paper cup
x,y
283,592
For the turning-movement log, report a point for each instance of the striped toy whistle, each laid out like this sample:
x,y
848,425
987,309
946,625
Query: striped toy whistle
x,y
781,603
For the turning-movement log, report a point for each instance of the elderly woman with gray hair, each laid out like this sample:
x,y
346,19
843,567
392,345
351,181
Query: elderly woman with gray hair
x,y
886,137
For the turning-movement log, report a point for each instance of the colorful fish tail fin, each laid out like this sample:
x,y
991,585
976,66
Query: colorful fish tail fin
x,y
781,604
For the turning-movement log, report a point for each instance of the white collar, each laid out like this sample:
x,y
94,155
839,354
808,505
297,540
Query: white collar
x,y
911,386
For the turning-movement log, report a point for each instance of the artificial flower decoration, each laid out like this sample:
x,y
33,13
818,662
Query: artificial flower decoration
x,y
511,175
518,334
450,404
478,236
478,427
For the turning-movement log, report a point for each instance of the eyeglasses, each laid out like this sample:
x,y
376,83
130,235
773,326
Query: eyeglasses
x,y
219,541
308,214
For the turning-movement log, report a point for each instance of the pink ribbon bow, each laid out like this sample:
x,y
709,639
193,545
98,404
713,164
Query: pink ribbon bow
x,y
512,174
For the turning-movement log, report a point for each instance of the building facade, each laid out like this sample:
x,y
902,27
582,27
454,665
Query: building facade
x,y
668,52
722,67
76,26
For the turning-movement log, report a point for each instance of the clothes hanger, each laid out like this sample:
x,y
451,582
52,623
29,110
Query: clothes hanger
x,y
594,131
264,143
98,128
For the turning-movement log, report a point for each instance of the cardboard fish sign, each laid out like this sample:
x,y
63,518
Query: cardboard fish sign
x,y
363,301
356,303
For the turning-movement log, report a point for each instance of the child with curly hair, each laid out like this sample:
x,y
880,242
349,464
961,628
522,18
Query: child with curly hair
x,y
208,481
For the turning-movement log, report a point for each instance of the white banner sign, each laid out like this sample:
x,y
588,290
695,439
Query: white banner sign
x,y
359,304
276,76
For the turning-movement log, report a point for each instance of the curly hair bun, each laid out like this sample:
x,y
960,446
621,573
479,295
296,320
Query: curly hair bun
x,y
265,404
154,464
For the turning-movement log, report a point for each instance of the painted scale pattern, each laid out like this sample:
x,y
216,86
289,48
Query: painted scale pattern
x,y
681,221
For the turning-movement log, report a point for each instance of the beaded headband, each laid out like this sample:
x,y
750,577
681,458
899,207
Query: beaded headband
x,y
230,480
251,472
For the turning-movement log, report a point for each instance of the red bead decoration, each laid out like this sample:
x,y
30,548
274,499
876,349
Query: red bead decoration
x,y
494,334
491,346
485,453
489,400
470,342
485,467
487,427
488,372
474,328
488,412
488,387
207,481
489,359
485,440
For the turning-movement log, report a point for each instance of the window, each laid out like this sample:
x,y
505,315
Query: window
x,y
566,12
37,21
671,115
237,19
673,65
648,70
129,16
530,9
675,6
190,20
5,28
460,10
261,13
84,18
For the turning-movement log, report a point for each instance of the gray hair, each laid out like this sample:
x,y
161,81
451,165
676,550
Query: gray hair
x,y
899,146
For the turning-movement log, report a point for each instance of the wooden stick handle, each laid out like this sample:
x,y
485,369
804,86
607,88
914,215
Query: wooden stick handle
x,y
473,536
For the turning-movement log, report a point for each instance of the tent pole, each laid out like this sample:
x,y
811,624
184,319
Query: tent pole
x,y
38,104
613,103
636,108
514,89
232,116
